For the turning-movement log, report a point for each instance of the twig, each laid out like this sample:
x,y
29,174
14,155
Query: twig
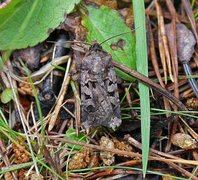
x,y
125,153
157,153
77,105
152,84
42,73
168,16
60,98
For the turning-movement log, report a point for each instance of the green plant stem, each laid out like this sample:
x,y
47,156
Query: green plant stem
x,y
142,67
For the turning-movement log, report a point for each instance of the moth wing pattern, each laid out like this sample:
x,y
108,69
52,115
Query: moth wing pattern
x,y
100,105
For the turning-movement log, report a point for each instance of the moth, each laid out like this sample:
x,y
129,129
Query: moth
x,y
100,104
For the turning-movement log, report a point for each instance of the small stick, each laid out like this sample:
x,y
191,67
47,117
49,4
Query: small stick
x,y
42,72
158,154
125,153
77,105
168,16
152,84
60,98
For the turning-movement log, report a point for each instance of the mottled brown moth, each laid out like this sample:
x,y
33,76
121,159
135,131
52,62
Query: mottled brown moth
x,y
100,105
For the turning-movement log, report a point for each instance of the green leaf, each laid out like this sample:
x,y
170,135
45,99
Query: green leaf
x,y
26,23
103,23
7,95
71,134
1,63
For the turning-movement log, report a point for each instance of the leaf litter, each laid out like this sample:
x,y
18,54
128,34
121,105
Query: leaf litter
x,y
71,150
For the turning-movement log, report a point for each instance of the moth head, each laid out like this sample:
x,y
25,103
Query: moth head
x,y
95,47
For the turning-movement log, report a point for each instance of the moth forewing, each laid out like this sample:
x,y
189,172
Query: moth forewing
x,y
100,105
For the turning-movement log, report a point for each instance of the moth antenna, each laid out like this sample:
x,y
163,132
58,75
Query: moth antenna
x,y
117,36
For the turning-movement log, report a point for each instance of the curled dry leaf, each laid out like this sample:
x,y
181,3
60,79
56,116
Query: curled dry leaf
x,y
184,141
192,103
107,157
